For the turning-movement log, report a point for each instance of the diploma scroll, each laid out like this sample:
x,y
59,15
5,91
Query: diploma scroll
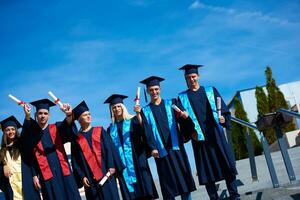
x,y
19,102
219,108
105,178
176,108
137,97
56,100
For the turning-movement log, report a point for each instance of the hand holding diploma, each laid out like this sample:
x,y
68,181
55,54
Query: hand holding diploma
x,y
183,114
65,107
56,100
155,153
137,109
219,109
19,102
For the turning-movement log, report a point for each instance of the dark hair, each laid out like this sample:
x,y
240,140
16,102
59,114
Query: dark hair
x,y
15,147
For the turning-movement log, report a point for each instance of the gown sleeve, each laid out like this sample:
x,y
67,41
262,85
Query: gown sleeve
x,y
68,132
186,126
76,161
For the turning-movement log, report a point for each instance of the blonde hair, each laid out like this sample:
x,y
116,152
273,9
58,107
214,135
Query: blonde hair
x,y
126,115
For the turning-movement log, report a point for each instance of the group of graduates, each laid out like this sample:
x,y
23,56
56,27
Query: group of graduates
x,y
34,161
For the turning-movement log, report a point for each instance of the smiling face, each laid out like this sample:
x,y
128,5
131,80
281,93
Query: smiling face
x,y
192,80
117,110
10,133
154,92
42,116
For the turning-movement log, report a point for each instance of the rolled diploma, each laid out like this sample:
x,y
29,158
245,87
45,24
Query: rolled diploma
x,y
137,97
19,102
176,108
56,100
104,179
219,106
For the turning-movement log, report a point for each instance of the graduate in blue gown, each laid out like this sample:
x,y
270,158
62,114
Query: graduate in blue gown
x,y
127,134
54,175
15,164
92,158
213,158
161,123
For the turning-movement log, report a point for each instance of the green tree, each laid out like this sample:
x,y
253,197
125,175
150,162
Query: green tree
x,y
262,101
271,103
272,90
239,134
264,108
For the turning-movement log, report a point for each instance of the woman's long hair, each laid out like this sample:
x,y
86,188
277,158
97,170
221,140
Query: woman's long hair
x,y
126,115
15,147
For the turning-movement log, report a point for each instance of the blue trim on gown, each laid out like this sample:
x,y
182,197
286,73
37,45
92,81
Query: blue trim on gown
x,y
174,170
144,188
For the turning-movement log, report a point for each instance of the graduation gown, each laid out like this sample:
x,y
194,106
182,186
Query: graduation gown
x,y
59,186
81,169
213,157
174,170
144,188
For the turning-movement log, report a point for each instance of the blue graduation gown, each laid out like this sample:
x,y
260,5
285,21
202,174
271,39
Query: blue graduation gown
x,y
81,169
174,170
59,186
144,188
213,158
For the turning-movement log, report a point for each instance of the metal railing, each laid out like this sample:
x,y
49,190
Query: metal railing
x,y
267,153
265,145
288,112
283,145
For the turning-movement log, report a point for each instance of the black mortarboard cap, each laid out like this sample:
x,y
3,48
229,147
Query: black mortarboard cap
x,y
152,81
42,104
79,109
115,98
190,69
10,121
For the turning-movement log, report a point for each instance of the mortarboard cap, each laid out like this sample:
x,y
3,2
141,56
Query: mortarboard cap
x,y
42,104
79,109
152,81
190,69
115,98
10,121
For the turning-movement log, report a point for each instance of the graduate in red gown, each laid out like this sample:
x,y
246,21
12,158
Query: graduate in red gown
x,y
92,158
54,175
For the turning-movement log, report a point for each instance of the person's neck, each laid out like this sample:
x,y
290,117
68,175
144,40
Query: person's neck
x,y
43,126
195,87
119,118
86,128
156,101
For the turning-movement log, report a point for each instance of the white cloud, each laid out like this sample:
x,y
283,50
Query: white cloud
x,y
196,5
258,15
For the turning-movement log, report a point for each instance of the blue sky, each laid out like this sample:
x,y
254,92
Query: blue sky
x,y
88,50
91,49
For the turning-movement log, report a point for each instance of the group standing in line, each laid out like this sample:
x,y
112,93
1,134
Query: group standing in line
x,y
34,161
